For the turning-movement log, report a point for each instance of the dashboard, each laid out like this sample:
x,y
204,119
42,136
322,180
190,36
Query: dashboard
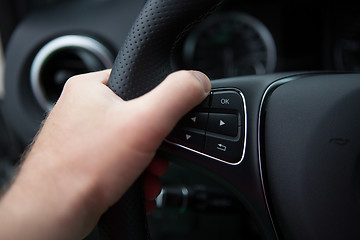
x,y
57,39
265,37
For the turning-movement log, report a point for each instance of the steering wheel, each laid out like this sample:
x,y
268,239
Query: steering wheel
x,y
287,144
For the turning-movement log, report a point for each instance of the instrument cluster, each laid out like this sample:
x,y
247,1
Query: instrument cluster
x,y
262,37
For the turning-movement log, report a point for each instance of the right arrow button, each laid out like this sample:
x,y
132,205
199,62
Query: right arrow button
x,y
223,123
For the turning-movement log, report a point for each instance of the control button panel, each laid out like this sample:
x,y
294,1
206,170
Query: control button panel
x,y
215,128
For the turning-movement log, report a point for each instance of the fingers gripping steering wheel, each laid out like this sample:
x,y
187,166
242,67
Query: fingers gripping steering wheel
x,y
291,150
142,63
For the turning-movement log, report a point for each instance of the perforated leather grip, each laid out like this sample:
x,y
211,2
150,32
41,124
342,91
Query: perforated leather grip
x,y
142,63
144,60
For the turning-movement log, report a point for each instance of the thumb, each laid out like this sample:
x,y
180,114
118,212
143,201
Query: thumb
x,y
174,97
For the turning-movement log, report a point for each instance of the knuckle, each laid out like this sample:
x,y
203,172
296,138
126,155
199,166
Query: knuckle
x,y
73,82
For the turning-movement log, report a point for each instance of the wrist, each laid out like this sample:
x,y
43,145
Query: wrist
x,y
44,206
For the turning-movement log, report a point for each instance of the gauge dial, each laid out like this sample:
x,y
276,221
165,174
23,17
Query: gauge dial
x,y
230,44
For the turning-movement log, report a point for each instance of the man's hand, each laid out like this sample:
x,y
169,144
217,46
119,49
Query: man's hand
x,y
91,148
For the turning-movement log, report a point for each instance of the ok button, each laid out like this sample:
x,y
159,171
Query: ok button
x,y
227,100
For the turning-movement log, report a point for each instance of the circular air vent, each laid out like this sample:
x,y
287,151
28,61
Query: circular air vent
x,y
61,59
